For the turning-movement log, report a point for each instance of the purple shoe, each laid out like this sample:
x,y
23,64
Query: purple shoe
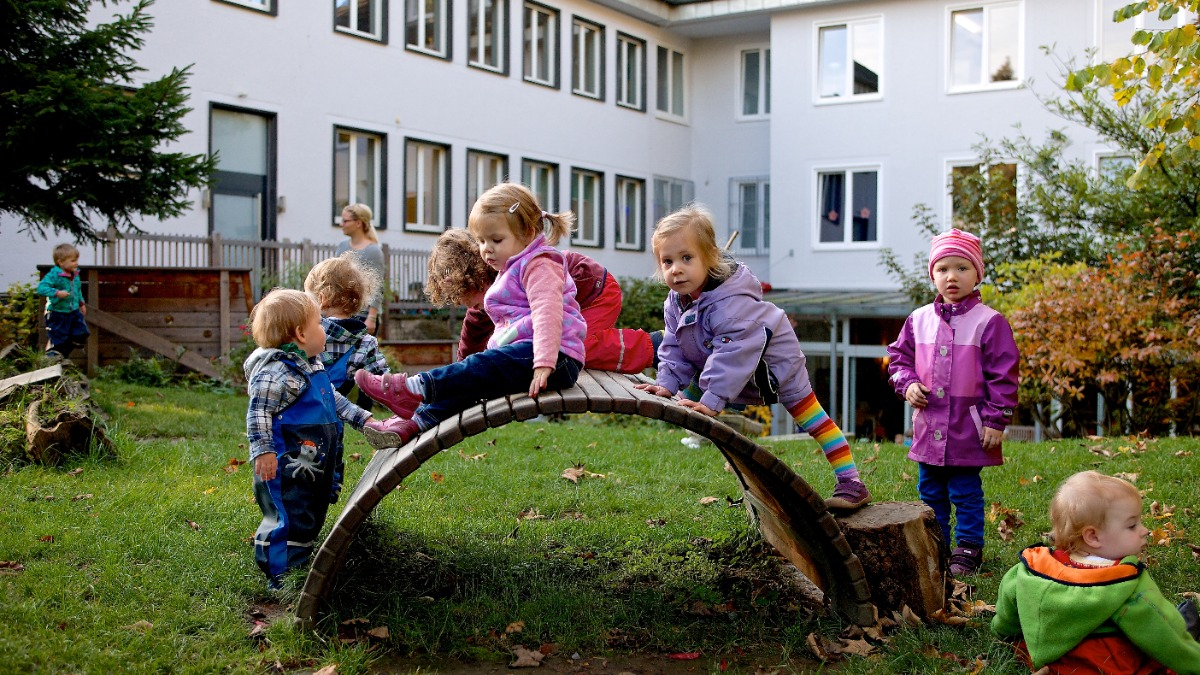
x,y
390,390
966,560
848,495
390,433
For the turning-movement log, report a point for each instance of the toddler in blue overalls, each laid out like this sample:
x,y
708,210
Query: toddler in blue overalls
x,y
294,427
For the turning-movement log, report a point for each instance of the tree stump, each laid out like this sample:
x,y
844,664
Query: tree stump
x,y
70,433
899,544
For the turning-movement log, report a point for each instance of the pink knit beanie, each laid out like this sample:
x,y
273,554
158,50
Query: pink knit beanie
x,y
959,243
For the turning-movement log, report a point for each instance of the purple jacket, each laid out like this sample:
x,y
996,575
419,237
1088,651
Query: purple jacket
x,y
966,355
725,335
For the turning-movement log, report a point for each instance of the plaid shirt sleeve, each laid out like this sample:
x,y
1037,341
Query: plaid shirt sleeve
x,y
367,356
271,390
350,413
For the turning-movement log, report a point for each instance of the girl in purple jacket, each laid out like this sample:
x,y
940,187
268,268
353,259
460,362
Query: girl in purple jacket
x,y
739,348
955,362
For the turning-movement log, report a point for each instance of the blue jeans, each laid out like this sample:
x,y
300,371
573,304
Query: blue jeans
x,y
962,487
486,375
66,330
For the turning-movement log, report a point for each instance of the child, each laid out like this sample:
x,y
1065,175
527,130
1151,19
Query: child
x,y
343,287
293,424
538,342
66,321
1088,605
458,276
737,347
955,362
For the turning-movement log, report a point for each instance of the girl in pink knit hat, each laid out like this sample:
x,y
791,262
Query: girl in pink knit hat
x,y
955,362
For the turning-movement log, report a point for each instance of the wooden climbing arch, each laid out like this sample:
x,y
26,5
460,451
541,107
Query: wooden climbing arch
x,y
790,515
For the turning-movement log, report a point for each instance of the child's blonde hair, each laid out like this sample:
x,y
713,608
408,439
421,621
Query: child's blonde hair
x,y
64,252
277,318
520,209
362,213
695,222
1082,501
456,270
343,284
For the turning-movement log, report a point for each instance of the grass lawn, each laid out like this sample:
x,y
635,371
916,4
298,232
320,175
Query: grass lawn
x,y
144,563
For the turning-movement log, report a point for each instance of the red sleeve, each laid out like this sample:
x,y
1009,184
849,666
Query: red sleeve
x,y
477,329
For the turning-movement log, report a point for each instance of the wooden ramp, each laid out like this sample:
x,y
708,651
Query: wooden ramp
x,y
790,515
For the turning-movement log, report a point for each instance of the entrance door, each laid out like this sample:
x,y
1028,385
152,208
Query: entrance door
x,y
244,183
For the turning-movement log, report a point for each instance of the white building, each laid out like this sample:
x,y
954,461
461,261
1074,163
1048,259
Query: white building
x,y
812,127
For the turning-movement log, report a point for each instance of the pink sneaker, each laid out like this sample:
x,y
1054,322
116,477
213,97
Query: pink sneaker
x,y
389,390
390,433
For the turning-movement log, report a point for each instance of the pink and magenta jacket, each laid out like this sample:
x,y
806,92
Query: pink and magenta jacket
x,y
508,303
966,355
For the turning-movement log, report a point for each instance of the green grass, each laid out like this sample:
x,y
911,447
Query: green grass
x,y
445,562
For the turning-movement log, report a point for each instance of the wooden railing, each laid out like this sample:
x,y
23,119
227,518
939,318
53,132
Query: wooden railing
x,y
273,263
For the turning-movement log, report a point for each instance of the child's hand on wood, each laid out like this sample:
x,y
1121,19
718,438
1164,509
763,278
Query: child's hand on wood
x,y
266,466
654,389
915,395
540,376
698,407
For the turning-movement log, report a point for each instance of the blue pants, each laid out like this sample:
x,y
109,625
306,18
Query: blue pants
x,y
486,375
66,330
962,487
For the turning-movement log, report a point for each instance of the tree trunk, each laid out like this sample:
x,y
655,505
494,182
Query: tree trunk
x,y
899,544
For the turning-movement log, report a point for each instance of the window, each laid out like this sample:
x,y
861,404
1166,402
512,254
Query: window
x,y
426,186
985,46
358,172
631,214
487,35
1116,39
264,6
587,45
484,169
631,72
750,204
848,195
363,18
1115,167
587,201
541,45
427,24
850,60
542,179
671,78
670,194
978,197
756,83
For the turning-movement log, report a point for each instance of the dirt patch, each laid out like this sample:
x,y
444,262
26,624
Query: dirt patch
x,y
763,663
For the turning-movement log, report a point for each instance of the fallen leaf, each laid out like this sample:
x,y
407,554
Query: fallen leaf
x,y
49,498
210,490
82,496
260,627
436,477
656,522
857,647
907,616
142,626
530,514
379,633
978,666
514,627
471,458
330,669
1183,453
492,442
905,477
820,647
708,500
11,567
526,658
75,472
1131,477
684,656
129,404
592,444
192,524
1195,551
355,456
941,616
49,538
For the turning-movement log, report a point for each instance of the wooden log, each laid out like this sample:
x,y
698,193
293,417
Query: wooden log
x,y
33,377
899,544
70,433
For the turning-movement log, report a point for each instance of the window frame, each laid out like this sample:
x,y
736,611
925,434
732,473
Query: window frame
x,y
578,64
619,211
1017,80
549,202
966,161
473,158
445,186
672,84
554,55
762,245
849,25
687,190
763,95
443,29
500,36
596,212
379,208
379,11
268,7
1104,20
623,40
847,170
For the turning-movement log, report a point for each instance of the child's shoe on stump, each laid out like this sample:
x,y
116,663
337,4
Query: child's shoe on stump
x,y
849,495
966,559
390,390
390,433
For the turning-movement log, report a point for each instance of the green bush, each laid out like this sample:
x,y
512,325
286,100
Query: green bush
x,y
642,304
20,313
151,372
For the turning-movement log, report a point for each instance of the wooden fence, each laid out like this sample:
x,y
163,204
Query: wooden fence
x,y
272,263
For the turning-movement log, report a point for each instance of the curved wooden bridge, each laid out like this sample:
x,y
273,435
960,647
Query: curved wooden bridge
x,y
790,515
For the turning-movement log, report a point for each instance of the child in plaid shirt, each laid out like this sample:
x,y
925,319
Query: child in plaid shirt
x,y
293,424
343,288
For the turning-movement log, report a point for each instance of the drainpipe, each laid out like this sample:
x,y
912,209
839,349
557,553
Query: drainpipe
x,y
833,369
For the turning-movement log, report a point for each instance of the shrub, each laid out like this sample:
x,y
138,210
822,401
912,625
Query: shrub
x,y
642,304
20,314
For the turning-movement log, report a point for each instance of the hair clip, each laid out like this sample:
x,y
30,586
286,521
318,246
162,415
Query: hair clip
x,y
513,208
